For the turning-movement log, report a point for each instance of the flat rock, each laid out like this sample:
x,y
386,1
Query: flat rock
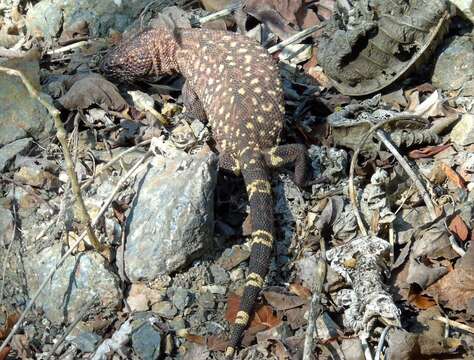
x,y
172,218
80,278
463,133
146,339
21,115
11,150
44,20
454,69
6,226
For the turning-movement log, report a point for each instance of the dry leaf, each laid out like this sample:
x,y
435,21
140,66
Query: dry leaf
x,y
422,302
197,339
455,290
458,227
453,176
428,151
216,343
9,323
263,315
281,301
4,353
300,290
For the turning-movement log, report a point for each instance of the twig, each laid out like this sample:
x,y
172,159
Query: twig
x,y
61,135
113,161
352,194
454,324
315,304
378,352
219,14
71,249
295,38
5,259
69,47
404,164
366,348
72,326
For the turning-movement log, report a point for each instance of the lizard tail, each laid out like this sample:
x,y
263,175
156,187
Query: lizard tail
x,y
258,185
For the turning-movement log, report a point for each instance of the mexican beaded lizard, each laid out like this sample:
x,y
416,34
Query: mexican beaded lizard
x,y
234,84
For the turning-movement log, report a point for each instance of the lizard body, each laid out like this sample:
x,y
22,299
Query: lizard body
x,y
234,84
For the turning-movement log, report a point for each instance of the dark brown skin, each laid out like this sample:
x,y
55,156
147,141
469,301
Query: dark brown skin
x,y
234,84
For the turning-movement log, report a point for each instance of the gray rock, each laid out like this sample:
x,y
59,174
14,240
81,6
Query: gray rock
x,y
6,226
454,68
463,133
85,341
181,298
81,277
164,309
21,115
146,339
101,15
11,150
172,217
44,20
221,277
206,301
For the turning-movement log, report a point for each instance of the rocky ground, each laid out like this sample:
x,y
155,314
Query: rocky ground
x,y
373,262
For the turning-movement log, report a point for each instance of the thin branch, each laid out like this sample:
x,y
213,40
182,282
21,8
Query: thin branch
x,y
455,324
352,192
71,249
5,259
69,47
83,215
219,14
296,38
113,161
315,308
404,164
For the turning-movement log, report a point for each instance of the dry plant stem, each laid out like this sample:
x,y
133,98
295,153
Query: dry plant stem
x,y
404,164
113,161
295,38
61,135
72,326
455,324
315,304
5,259
352,192
378,352
69,47
219,14
71,249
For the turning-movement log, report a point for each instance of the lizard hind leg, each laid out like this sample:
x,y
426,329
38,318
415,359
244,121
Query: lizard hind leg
x,y
255,173
279,156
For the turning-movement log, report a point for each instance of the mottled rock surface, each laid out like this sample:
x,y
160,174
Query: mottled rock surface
x,y
172,217
81,277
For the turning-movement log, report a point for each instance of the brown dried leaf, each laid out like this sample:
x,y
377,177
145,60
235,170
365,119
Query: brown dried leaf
x,y
455,290
428,151
458,227
453,176
9,323
216,343
300,290
281,301
263,314
422,302
4,353
93,90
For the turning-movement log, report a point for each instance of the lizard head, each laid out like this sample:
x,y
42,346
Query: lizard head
x,y
140,57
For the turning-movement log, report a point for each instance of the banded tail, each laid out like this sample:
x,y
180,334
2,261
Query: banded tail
x,y
257,180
